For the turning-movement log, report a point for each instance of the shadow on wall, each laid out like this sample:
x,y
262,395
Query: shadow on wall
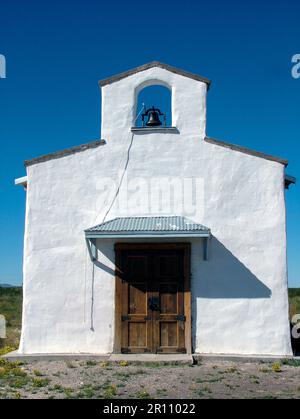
x,y
224,276
105,268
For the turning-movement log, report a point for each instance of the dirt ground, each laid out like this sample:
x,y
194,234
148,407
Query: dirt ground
x,y
94,379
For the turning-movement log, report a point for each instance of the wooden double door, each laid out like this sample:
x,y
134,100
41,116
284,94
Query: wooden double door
x,y
152,298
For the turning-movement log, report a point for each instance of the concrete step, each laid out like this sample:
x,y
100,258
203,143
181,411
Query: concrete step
x,y
144,358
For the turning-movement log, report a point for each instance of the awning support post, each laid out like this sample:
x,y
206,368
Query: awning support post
x,y
92,249
205,248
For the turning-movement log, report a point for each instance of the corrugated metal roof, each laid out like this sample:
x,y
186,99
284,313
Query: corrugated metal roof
x,y
173,225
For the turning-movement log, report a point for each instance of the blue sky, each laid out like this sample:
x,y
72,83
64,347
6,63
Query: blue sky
x,y
56,51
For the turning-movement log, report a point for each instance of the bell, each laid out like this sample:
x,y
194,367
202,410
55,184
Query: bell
x,y
153,117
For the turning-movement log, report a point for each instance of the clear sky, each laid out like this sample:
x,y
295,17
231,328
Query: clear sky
x,y
56,51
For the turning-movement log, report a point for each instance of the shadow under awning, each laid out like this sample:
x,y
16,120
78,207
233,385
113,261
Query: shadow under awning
x,y
145,228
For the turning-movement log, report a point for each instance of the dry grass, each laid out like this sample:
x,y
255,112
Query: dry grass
x,y
11,308
294,297
93,380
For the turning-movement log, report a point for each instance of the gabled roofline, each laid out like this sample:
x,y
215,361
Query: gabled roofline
x,y
65,152
246,150
152,64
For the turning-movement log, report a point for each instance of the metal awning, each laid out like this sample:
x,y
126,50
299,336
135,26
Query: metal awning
x,y
146,227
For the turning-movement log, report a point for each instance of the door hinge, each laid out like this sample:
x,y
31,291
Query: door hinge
x,y
125,350
147,318
125,318
180,318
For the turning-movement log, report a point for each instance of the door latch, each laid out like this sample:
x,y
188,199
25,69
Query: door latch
x,y
153,304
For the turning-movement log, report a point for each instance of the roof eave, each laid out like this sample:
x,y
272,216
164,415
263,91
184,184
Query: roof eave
x,y
246,150
64,153
289,180
21,181
145,235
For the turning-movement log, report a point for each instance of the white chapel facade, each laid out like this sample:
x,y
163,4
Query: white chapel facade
x,y
114,265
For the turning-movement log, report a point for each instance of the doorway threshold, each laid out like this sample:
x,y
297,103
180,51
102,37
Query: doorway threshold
x,y
164,358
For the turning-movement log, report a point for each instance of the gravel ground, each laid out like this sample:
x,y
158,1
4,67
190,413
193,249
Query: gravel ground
x,y
94,379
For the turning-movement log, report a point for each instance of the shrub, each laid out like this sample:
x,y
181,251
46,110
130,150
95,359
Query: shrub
x,y
18,382
110,391
143,395
276,367
123,363
18,372
291,362
104,364
40,382
91,363
37,373
6,350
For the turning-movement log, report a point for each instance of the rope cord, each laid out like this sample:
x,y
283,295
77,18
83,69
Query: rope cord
x,y
125,168
108,211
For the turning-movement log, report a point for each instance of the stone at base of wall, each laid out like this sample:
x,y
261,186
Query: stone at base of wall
x,y
242,358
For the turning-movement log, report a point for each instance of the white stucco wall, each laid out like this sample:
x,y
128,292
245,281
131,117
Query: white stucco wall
x,y
239,295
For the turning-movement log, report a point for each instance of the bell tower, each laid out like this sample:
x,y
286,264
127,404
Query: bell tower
x,y
120,96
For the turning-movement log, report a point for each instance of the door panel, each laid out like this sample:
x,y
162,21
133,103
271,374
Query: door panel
x,y
137,334
168,335
168,298
137,298
169,282
151,301
136,322
136,266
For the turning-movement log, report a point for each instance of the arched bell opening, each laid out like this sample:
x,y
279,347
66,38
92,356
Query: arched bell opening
x,y
153,106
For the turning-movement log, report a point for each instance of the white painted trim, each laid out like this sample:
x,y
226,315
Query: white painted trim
x,y
143,235
148,130
21,181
